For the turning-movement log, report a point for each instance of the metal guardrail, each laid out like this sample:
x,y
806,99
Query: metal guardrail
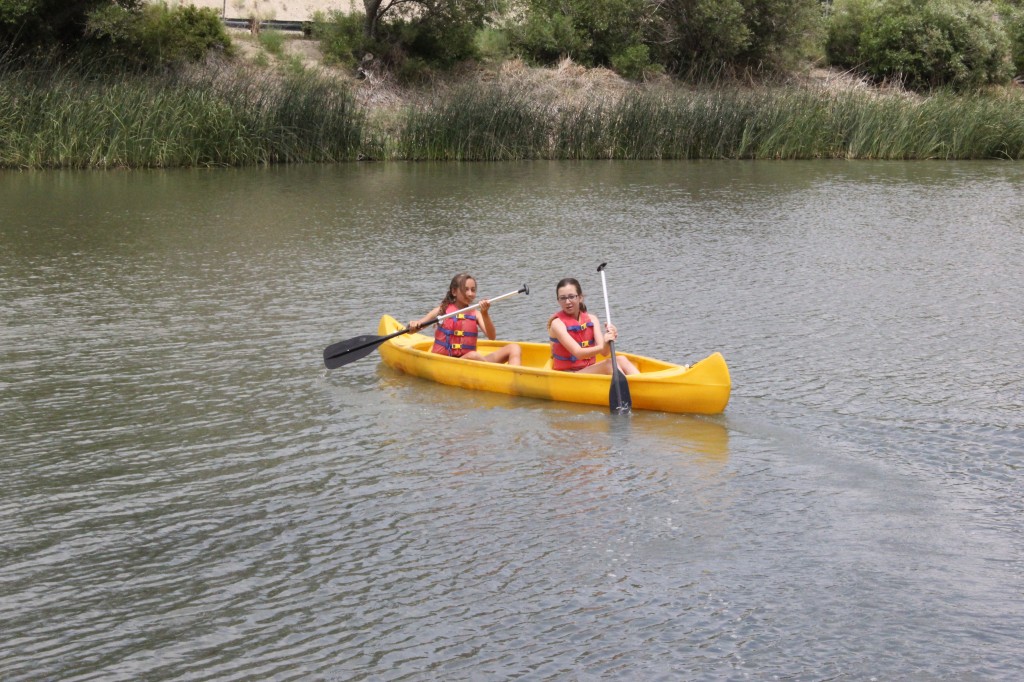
x,y
271,24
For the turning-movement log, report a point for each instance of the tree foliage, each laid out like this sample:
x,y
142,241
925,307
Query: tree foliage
x,y
1013,19
591,32
455,13
923,43
115,32
410,37
50,23
156,35
680,35
934,43
701,35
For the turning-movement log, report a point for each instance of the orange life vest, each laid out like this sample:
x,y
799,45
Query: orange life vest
x,y
455,336
582,332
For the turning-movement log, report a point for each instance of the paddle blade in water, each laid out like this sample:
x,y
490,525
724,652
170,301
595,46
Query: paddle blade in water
x,y
619,401
344,352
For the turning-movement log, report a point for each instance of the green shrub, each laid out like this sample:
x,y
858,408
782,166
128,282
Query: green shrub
x,y
781,32
699,36
702,33
273,42
846,23
50,24
1013,21
544,39
591,32
634,62
341,37
413,71
433,40
157,35
492,44
182,33
930,44
430,38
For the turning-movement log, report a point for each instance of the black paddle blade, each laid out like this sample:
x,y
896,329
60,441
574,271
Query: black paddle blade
x,y
618,398
344,352
619,401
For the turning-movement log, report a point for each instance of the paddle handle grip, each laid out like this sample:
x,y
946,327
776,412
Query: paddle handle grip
x,y
604,286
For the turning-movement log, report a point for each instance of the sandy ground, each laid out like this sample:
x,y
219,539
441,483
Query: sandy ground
x,y
278,10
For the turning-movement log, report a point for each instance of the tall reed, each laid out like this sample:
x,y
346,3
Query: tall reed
x,y
500,122
474,124
66,118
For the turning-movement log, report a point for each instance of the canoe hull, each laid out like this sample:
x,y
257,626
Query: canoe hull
x,y
702,388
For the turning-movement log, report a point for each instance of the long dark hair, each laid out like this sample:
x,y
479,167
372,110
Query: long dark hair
x,y
579,290
458,282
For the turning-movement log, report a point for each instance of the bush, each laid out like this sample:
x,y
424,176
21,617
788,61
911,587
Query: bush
x,y
781,32
49,24
156,36
635,62
1013,21
696,36
847,22
591,32
273,42
702,33
492,44
433,40
544,39
937,43
182,33
413,71
341,37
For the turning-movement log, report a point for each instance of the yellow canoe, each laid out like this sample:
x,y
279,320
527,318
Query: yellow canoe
x,y
702,388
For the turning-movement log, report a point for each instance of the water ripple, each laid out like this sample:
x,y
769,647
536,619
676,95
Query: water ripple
x,y
189,494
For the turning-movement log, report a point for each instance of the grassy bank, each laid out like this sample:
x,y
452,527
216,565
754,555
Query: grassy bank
x,y
64,118
496,123
243,116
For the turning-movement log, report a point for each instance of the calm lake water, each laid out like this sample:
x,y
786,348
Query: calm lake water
x,y
186,493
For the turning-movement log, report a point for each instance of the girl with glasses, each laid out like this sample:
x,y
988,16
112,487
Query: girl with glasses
x,y
456,336
576,336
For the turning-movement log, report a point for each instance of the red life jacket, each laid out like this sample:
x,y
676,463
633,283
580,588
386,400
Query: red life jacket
x,y
582,332
455,336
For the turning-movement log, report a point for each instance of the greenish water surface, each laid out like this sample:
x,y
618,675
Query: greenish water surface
x,y
188,494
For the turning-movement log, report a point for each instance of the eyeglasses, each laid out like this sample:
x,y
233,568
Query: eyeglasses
x,y
570,297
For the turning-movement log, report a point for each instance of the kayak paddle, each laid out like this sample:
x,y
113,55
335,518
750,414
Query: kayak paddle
x,y
618,396
342,353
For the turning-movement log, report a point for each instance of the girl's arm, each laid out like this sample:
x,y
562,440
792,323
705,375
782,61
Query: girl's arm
x,y
612,333
418,324
600,341
485,319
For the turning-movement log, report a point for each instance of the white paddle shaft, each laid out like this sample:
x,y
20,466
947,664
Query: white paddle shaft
x,y
475,306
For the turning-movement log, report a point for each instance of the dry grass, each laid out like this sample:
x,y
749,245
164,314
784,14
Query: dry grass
x,y
567,85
